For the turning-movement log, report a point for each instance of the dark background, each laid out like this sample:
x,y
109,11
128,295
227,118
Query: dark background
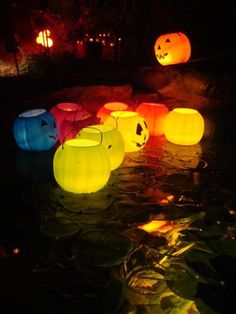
x,y
209,24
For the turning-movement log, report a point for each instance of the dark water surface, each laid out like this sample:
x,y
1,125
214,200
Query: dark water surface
x,y
65,253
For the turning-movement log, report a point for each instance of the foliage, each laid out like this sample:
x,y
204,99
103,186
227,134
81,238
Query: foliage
x,y
82,250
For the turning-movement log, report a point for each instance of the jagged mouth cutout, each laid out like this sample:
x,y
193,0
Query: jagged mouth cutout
x,y
162,56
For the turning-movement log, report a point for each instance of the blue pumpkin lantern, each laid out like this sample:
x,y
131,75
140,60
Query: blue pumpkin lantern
x,y
35,130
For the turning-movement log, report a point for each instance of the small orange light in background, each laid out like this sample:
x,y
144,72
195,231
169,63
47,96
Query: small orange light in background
x,y
164,201
44,39
16,250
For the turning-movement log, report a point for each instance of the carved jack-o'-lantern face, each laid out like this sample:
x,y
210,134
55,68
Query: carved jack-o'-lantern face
x,y
132,127
172,48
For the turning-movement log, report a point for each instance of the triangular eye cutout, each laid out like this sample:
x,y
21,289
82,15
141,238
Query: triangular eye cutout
x,y
139,129
43,123
167,40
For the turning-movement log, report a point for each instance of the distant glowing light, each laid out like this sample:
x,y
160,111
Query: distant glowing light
x,y
44,39
16,250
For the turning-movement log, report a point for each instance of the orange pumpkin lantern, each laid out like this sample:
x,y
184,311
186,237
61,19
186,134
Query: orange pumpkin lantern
x,y
172,48
105,111
154,114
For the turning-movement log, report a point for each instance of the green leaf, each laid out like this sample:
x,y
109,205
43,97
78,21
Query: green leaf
x,y
59,228
204,270
102,247
83,203
181,281
203,308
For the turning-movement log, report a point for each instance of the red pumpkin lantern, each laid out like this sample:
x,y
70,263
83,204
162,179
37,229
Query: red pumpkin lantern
x,y
73,123
154,115
172,48
62,110
105,111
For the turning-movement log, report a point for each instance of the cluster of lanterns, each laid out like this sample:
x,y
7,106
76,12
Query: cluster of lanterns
x,y
89,151
90,147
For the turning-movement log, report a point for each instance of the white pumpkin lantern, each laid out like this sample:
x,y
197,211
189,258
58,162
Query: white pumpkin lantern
x,y
132,127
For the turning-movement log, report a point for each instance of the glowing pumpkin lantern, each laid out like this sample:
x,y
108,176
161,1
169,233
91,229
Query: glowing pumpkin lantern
x,y
154,114
172,48
111,139
81,166
132,127
73,123
44,39
184,126
35,130
62,110
105,111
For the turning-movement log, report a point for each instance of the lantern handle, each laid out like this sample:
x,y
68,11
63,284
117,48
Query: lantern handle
x,y
72,129
115,120
92,127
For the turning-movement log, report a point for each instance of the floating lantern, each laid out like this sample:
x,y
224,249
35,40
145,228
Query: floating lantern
x,y
81,166
172,48
44,39
111,139
35,130
154,114
184,126
105,111
62,110
73,123
132,127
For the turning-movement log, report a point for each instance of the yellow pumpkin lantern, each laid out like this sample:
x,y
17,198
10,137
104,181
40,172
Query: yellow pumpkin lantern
x,y
105,111
132,127
184,126
172,48
154,114
81,166
111,139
